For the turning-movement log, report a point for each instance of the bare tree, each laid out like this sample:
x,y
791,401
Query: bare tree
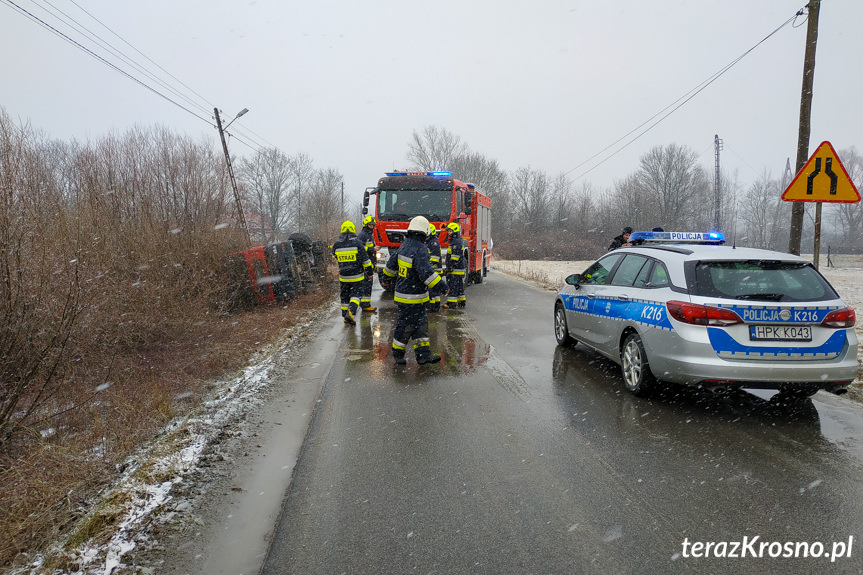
x,y
268,177
763,215
674,187
849,217
303,175
323,205
434,149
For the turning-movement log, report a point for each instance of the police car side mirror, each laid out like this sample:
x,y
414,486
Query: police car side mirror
x,y
573,280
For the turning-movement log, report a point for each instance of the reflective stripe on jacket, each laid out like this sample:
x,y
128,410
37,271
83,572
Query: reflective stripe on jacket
x,y
352,257
415,274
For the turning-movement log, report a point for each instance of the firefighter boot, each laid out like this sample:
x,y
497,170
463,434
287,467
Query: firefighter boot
x,y
349,318
428,359
368,308
399,358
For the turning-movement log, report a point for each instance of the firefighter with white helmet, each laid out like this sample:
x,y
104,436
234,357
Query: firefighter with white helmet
x,y
354,267
433,245
365,237
412,268
456,263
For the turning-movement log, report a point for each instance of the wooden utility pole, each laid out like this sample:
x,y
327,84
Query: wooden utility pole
x,y
240,216
797,208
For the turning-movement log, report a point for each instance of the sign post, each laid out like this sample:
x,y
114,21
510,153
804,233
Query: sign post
x,y
822,179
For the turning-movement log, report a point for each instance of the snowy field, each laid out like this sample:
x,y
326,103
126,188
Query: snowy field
x,y
845,275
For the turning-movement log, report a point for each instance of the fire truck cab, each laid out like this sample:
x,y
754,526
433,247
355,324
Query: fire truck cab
x,y
400,196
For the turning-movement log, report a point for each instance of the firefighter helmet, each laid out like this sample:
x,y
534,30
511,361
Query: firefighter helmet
x,y
432,230
453,227
348,226
369,220
419,224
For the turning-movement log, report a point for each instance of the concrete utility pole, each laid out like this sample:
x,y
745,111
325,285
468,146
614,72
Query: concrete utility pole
x,y
717,187
240,216
798,208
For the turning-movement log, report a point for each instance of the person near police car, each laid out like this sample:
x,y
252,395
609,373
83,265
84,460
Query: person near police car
x,y
354,267
415,276
621,240
456,265
433,245
365,237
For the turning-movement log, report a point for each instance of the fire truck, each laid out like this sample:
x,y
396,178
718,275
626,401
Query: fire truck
x,y
400,196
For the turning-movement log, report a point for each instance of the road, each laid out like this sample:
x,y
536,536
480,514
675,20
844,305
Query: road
x,y
515,456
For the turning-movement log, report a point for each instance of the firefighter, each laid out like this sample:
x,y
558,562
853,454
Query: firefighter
x,y
365,237
412,267
433,245
354,267
456,264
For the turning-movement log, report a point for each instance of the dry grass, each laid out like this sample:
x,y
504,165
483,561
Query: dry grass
x,y
47,484
113,315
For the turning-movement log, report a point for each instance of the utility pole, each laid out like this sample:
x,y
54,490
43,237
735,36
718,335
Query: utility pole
x,y
798,208
717,188
240,216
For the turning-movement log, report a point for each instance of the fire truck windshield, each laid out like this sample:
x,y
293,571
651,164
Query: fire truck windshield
x,y
402,205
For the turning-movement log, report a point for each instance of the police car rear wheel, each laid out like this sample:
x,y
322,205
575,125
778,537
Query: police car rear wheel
x,y
561,331
636,371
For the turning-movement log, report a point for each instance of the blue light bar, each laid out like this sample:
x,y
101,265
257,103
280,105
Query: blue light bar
x,y
419,173
678,237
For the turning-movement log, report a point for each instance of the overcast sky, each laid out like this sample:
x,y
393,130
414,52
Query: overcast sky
x,y
543,83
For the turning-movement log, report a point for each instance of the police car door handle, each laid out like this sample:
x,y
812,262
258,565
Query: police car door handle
x,y
623,297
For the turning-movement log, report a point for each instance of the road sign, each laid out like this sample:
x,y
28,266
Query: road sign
x,y
822,179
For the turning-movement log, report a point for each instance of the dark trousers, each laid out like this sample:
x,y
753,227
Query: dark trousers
x,y
366,292
456,291
412,322
350,297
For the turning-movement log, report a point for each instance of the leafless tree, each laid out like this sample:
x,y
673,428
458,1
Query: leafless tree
x,y
323,210
303,175
673,187
434,149
848,217
268,178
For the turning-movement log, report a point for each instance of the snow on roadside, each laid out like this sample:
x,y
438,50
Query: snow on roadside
x,y
145,486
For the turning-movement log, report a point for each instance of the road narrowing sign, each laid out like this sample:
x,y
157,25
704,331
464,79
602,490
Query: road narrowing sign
x,y
822,179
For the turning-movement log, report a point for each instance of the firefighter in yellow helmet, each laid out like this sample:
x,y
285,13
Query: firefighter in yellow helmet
x,y
412,267
456,264
365,237
433,245
354,267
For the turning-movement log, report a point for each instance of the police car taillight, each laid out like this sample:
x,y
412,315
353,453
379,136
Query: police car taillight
x,y
701,314
844,317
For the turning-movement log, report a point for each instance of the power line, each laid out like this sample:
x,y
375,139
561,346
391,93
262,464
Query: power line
x,y
98,57
82,29
142,54
674,106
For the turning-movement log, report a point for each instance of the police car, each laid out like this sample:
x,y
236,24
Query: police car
x,y
685,308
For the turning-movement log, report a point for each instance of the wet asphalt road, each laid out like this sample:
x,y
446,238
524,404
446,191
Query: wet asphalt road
x,y
515,456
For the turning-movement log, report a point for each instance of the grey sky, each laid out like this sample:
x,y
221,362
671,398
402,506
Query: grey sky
x,y
545,84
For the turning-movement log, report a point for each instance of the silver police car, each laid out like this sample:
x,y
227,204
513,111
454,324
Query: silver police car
x,y
685,308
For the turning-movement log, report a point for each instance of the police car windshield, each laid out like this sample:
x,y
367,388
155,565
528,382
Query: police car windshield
x,y
402,205
759,280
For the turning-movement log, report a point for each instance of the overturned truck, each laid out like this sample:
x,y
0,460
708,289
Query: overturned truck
x,y
275,272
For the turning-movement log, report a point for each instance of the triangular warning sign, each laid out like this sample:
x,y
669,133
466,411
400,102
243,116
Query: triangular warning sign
x,y
822,179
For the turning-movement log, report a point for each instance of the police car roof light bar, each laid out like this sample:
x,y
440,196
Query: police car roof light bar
x,y
677,237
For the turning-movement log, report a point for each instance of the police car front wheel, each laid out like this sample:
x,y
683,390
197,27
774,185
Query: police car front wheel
x,y
561,331
637,377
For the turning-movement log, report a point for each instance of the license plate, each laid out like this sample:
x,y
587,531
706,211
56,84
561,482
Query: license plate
x,y
780,332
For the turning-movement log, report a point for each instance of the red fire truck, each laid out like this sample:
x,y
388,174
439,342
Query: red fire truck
x,y
399,196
